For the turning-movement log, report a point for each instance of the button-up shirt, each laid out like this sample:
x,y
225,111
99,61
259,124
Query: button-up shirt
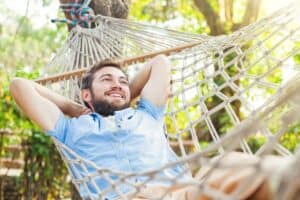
x,y
132,140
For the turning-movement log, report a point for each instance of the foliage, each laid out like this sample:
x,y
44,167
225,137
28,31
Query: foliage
x,y
175,14
215,17
169,14
23,53
291,139
44,173
29,49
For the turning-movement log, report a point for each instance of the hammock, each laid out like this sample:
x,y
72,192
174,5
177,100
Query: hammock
x,y
250,78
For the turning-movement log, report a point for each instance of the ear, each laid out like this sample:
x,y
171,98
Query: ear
x,y
86,95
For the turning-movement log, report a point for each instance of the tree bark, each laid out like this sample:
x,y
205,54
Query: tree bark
x,y
250,15
212,18
111,8
228,10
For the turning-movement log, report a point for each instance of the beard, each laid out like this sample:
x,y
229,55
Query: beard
x,y
105,108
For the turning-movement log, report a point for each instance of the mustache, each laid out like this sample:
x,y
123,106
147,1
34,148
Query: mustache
x,y
118,91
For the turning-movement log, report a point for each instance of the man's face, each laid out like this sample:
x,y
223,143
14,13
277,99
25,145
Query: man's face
x,y
110,90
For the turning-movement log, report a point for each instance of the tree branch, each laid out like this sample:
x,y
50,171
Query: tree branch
x,y
211,17
251,13
228,10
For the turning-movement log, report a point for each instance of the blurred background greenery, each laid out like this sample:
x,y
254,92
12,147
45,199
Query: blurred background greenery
x,y
30,167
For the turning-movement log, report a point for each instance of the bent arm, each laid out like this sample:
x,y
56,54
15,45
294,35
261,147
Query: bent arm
x,y
40,104
153,81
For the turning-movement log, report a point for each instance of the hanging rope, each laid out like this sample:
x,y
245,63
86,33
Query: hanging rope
x,y
80,14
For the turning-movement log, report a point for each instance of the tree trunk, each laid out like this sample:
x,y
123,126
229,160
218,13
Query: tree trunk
x,y
228,4
212,18
217,19
111,8
250,15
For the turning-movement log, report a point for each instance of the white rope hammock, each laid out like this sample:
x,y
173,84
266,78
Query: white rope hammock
x,y
250,78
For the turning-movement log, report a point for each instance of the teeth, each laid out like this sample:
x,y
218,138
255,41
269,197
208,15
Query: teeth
x,y
115,95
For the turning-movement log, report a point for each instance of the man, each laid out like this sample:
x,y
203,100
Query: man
x,y
133,141
109,132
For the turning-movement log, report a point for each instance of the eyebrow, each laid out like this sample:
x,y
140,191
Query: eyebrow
x,y
109,75
103,75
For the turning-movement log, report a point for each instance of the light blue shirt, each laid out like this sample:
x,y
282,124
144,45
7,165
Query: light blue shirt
x,y
132,140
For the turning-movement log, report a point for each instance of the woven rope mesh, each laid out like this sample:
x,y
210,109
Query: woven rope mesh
x,y
227,92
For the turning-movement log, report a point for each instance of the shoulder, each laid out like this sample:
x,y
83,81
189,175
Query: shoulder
x,y
157,112
65,125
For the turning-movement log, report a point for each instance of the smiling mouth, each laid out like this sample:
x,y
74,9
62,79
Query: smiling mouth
x,y
115,95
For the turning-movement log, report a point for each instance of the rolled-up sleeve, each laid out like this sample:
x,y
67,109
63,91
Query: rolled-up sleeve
x,y
157,112
61,128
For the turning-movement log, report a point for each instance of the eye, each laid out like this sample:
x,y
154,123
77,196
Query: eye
x,y
125,82
106,79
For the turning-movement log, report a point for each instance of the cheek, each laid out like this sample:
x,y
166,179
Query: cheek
x,y
128,92
98,93
100,88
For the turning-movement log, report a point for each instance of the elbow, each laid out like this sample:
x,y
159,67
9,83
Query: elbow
x,y
163,59
15,85
164,63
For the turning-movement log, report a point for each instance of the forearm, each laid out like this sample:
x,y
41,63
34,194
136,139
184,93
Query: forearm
x,y
139,81
158,64
67,106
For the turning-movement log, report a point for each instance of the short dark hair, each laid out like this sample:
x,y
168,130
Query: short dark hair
x,y
87,79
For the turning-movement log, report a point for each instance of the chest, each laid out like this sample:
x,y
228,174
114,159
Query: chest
x,y
130,128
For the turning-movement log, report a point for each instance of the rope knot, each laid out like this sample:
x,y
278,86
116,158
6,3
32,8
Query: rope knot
x,y
79,13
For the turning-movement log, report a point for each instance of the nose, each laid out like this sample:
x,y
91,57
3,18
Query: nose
x,y
116,84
